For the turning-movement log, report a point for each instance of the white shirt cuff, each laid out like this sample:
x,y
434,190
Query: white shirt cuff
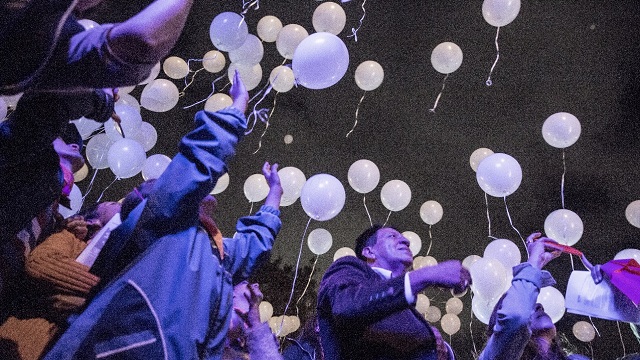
x,y
408,294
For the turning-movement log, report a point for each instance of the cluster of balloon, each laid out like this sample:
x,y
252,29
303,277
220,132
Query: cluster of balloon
x,y
564,226
368,76
266,311
431,213
499,13
499,175
154,166
445,59
322,197
284,325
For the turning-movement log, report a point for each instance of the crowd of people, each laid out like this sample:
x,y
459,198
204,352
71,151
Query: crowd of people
x,y
167,283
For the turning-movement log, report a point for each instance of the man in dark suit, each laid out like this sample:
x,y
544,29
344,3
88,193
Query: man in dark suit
x,y
366,304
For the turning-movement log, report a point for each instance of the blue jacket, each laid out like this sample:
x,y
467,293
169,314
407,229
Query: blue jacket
x,y
173,301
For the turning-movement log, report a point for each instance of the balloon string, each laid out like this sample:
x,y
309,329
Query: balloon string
x,y
357,110
430,241
473,341
93,178
308,282
624,349
267,122
486,201
571,257
246,6
193,77
105,189
260,114
354,32
213,90
295,275
433,109
489,82
591,349
364,202
564,171
594,327
388,215
514,228
251,208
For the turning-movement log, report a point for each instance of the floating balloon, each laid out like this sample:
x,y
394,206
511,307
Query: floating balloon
x,y
561,130
395,195
320,61
429,261
319,241
249,53
419,262
289,38
369,75
563,226
213,61
266,311
446,57
88,24
160,95
431,212
97,150
146,135
505,251
126,158
322,197
228,31
499,175
130,122
81,174
454,306
482,308
422,303
329,17
415,244
218,101
221,184
363,176
128,100
343,251
268,28
175,67
153,74
256,188
470,260
477,156
489,277
628,254
500,12
292,180
632,213
154,166
584,331
282,78
85,126
432,314
251,75
75,200
450,323
288,139
553,302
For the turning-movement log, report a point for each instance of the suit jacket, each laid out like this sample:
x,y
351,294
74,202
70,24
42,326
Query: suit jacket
x,y
364,316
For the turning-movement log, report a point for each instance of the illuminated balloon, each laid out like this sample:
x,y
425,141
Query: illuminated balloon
x,y
553,302
160,95
218,101
146,135
268,28
505,251
489,277
322,197
343,251
249,53
126,158
482,308
432,314
446,57
431,212
130,122
632,213
477,156
329,17
266,311
221,184
213,61
175,67
282,78
75,200
128,100
422,303
81,174
369,75
256,188
561,130
87,24
319,241
628,254
500,12
454,306
289,38
584,331
563,226
154,166
395,195
320,61
499,175
292,180
97,150
415,244
228,31
450,323
251,75
153,74
85,126
363,176
470,260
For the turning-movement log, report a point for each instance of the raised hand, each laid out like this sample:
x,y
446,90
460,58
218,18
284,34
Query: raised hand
x,y
238,93
539,256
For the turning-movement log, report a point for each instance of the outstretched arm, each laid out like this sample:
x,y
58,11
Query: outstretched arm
x,y
270,173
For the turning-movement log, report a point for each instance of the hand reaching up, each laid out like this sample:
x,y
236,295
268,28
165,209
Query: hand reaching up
x,y
238,93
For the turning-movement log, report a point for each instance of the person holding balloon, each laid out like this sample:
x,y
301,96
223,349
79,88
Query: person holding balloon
x,y
366,304
519,328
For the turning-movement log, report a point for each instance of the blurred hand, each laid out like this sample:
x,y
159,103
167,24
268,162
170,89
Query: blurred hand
x,y
238,93
539,256
270,173
449,274
254,298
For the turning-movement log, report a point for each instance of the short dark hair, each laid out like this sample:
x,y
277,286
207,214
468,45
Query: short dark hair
x,y
90,212
367,238
135,197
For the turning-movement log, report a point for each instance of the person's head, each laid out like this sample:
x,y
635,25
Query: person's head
x,y
102,212
135,197
68,146
384,247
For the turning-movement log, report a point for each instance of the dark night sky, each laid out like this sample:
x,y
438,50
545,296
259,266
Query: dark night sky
x,y
579,57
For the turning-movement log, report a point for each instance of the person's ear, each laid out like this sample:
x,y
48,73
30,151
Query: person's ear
x,y
368,253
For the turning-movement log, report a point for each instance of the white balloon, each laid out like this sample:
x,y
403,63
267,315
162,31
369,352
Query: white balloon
x,y
153,74
75,200
85,126
395,195
128,100
477,156
561,130
553,302
563,226
221,184
249,53
320,61
419,262
268,28
329,17
628,254
454,306
415,243
292,180
363,176
343,251
432,314
430,261
369,75
289,37
322,197
126,158
288,139
431,212
499,175
282,78
218,101
488,278
266,311
146,135
126,89
228,31
81,174
450,323
256,188
251,75
88,24
584,331
422,303
319,241
470,260
446,57
160,95
482,308
213,61
175,67
97,150
632,213
154,166
505,251
500,12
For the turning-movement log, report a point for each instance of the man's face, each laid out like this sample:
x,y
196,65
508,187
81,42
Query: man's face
x,y
541,322
70,153
391,249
